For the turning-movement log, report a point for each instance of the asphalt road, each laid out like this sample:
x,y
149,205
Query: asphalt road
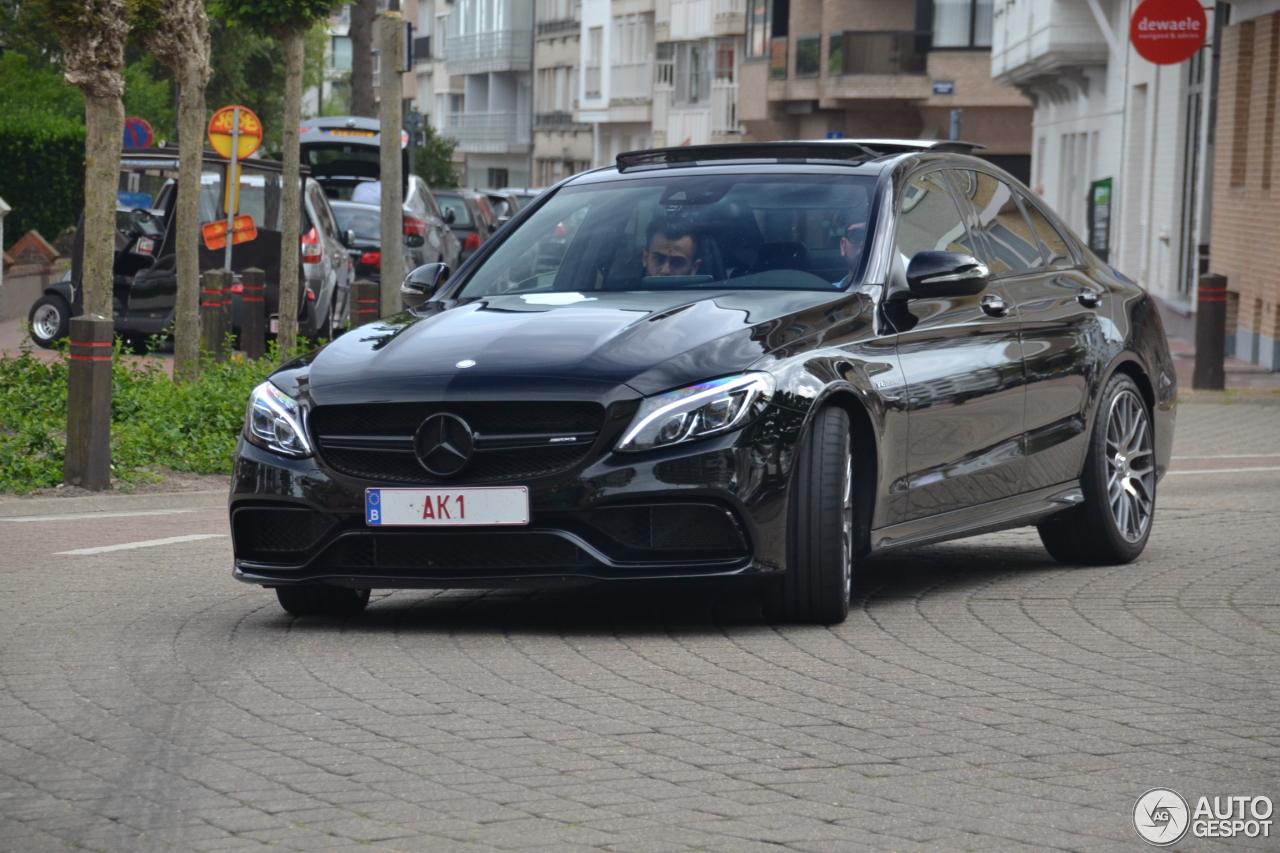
x,y
980,697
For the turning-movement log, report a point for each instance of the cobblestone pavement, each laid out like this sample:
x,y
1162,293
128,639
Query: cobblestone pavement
x,y
980,697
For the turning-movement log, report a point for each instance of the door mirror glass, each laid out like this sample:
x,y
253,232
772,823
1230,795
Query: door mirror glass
x,y
449,216
421,284
941,274
415,241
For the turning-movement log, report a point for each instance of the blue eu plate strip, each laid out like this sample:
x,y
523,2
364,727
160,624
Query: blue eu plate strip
x,y
373,506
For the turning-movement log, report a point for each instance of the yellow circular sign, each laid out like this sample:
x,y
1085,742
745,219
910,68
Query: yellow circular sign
x,y
221,135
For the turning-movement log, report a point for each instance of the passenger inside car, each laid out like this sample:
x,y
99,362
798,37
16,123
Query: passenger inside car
x,y
671,248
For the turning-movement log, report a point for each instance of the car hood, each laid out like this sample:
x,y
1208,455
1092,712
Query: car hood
x,y
650,342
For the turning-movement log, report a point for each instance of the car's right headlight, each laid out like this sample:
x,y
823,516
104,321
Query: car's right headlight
x,y
275,421
697,411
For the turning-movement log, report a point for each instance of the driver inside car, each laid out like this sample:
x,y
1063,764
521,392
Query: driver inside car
x,y
671,249
851,245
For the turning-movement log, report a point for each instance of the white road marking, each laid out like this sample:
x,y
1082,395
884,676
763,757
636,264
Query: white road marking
x,y
90,516
148,543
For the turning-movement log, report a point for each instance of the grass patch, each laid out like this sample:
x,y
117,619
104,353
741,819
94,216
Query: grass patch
x,y
190,426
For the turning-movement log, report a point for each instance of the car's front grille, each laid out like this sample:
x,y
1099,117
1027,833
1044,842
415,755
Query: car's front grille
x,y
513,440
435,552
279,534
677,527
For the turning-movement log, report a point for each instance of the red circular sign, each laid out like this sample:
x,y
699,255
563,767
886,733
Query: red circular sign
x,y
1167,32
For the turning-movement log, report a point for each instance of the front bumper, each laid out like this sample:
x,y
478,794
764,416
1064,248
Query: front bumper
x,y
715,508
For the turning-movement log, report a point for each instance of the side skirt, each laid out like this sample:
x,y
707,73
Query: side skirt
x,y
1017,511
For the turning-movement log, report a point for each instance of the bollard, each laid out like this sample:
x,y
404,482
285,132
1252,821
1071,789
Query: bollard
x,y
365,302
253,319
1211,333
88,459
212,327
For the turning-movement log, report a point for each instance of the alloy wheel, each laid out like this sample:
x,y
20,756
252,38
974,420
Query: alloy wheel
x,y
846,537
1131,477
45,322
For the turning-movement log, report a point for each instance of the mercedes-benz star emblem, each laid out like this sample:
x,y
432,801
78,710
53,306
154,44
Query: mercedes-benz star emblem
x,y
444,444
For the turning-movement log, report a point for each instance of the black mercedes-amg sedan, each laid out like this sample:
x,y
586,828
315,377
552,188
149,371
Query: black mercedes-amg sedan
x,y
764,362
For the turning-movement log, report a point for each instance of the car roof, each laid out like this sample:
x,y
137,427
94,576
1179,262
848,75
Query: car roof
x,y
361,205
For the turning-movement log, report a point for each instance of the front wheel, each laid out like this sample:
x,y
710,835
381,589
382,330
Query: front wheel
x,y
1113,523
50,320
822,529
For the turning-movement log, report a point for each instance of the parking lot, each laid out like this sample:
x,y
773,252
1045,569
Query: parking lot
x,y
980,697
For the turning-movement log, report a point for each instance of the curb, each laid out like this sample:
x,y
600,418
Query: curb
x,y
1231,398
16,507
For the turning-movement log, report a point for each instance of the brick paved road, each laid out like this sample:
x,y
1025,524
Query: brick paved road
x,y
980,697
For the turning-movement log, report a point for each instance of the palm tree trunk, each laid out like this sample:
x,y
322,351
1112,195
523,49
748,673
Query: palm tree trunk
x,y
104,137
291,197
186,330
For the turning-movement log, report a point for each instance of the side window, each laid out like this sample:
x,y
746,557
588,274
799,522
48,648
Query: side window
x,y
930,219
324,213
1054,245
1012,243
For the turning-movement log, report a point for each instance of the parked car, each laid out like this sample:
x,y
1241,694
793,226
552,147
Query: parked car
x,y
504,203
343,155
145,266
762,362
473,219
363,225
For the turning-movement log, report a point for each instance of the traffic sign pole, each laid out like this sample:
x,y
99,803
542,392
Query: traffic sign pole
x,y
233,184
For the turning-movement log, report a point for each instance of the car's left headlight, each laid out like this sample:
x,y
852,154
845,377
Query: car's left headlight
x,y
707,408
275,421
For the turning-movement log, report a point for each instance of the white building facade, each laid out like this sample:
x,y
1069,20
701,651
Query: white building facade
x,y
617,55
1103,113
698,58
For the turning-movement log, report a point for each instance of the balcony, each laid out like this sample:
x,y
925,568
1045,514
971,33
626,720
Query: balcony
x,y
480,53
724,109
490,133
559,120
630,82
564,26
889,52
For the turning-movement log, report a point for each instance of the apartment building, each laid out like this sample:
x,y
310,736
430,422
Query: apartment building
x,y
1246,191
483,88
697,58
815,69
561,144
1119,143
616,56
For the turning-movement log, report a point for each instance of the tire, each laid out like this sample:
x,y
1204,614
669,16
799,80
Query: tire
x,y
821,531
322,600
50,320
1112,525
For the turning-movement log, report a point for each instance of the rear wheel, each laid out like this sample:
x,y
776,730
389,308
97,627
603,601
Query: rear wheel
x,y
322,600
1113,523
822,530
50,320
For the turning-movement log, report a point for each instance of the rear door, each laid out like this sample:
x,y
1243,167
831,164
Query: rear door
x,y
962,362
1058,308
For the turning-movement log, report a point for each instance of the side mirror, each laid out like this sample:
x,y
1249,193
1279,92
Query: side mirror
x,y
348,238
493,226
450,217
140,216
415,241
421,284
940,274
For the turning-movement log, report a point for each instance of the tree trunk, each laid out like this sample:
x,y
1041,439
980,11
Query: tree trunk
x,y
186,324
291,197
104,137
363,13
389,168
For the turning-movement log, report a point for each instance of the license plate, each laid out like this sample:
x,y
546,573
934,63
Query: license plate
x,y
335,131
447,507
275,325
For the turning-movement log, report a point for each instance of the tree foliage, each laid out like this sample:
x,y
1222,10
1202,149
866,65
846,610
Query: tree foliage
x,y
434,161
272,17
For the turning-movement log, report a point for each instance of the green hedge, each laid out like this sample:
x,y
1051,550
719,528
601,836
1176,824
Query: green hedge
x,y
192,426
43,174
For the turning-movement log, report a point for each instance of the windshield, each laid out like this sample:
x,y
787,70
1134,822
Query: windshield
x,y
725,232
461,216
366,222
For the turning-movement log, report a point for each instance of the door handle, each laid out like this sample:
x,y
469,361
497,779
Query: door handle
x,y
994,306
1089,298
